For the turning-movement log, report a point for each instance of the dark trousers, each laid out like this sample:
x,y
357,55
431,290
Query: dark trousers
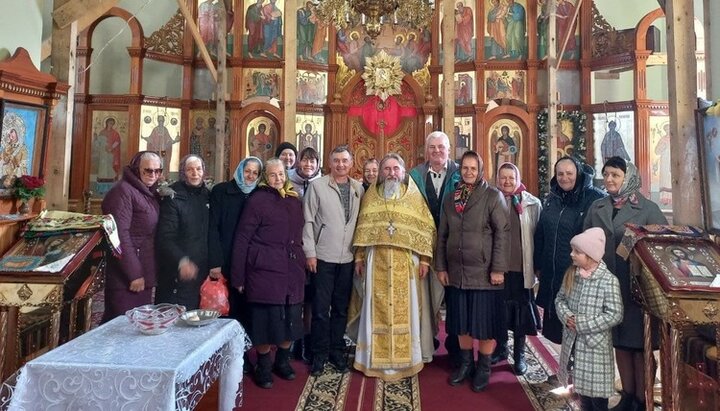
x,y
333,285
593,403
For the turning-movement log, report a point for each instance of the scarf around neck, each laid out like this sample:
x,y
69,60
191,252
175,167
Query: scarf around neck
x,y
629,189
462,193
286,190
516,196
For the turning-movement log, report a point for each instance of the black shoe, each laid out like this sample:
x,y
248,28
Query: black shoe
x,y
263,376
297,349
465,370
520,366
307,354
481,379
339,363
318,366
499,354
626,402
282,364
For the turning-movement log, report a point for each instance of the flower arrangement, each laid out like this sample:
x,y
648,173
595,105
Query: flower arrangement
x,y
579,146
29,187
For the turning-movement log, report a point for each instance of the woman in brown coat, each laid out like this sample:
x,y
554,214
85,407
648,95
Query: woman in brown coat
x,y
471,258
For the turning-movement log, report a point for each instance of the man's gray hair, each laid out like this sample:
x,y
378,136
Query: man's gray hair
x,y
437,134
341,149
389,156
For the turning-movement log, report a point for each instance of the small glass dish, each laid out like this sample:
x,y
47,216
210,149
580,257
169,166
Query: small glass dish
x,y
154,319
198,318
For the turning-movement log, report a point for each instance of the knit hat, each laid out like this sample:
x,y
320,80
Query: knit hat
x,y
590,242
283,146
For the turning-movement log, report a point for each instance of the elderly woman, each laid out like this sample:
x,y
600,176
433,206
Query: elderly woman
x,y
370,172
287,153
306,169
134,203
624,205
471,258
182,236
571,193
268,265
525,210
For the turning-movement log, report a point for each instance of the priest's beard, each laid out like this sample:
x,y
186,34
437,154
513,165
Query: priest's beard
x,y
391,188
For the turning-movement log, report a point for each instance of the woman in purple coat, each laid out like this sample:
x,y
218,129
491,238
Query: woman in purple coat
x,y
133,202
268,265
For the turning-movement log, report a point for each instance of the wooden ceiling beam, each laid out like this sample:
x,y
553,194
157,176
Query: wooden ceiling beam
x,y
85,10
198,39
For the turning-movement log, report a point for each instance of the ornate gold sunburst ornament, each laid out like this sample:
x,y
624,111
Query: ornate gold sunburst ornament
x,y
383,75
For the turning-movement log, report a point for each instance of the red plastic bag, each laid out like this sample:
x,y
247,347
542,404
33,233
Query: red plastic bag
x,y
214,295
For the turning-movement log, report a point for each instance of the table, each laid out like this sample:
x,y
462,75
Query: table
x,y
116,367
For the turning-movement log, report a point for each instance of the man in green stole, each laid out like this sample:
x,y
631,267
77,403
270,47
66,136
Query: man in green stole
x,y
395,239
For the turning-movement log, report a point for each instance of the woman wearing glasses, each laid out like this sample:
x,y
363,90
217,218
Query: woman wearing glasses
x,y
182,236
133,202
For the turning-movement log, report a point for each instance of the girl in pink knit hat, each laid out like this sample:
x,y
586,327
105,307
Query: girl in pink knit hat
x,y
589,305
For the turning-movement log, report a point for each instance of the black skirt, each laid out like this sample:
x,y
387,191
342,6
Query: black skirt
x,y
274,324
478,313
521,314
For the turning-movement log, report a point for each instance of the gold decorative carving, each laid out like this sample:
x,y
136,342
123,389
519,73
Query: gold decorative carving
x,y
24,292
422,76
383,75
710,310
608,41
168,39
344,74
677,314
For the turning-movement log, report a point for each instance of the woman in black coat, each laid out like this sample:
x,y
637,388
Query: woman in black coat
x,y
571,194
182,233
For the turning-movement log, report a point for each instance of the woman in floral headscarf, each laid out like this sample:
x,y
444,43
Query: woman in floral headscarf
x,y
134,203
470,261
268,265
624,205
520,279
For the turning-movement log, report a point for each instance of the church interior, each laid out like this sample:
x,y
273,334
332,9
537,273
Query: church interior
x,y
86,84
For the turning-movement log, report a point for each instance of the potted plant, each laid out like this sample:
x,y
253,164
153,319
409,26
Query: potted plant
x,y
27,188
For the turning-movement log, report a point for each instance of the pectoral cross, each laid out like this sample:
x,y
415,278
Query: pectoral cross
x,y
391,228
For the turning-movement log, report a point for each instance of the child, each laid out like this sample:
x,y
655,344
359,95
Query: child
x,y
589,304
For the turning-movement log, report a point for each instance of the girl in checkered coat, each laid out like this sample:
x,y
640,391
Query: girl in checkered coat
x,y
589,305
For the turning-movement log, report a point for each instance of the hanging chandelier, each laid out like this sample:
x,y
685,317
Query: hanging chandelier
x,y
372,14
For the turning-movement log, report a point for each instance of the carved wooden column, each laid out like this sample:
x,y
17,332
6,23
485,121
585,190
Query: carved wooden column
x,y
642,119
586,25
682,98
80,119
290,67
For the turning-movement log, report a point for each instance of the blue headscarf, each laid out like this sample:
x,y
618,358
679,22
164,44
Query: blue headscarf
x,y
239,178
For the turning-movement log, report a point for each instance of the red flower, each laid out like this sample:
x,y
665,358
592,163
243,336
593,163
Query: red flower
x,y
31,182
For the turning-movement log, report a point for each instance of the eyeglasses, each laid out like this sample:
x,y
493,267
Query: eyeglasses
x,y
150,171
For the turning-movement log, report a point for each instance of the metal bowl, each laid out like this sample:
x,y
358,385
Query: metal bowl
x,y
198,318
153,319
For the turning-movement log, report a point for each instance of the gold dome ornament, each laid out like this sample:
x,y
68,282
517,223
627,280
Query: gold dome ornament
x,y
383,75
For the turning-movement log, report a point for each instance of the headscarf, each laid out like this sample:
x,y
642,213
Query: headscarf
x,y
464,190
183,161
284,146
240,175
135,162
287,188
516,196
629,189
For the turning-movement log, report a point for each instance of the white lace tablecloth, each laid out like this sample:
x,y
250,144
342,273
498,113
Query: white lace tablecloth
x,y
115,367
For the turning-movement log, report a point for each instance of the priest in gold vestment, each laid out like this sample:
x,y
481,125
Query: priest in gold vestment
x,y
395,238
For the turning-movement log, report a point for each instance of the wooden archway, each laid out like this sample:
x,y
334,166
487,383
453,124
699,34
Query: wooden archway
x,y
238,140
528,147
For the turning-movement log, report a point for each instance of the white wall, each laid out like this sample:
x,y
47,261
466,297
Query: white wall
x,y
110,68
21,26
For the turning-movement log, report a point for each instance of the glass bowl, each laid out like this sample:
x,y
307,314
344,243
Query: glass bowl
x,y
153,319
199,318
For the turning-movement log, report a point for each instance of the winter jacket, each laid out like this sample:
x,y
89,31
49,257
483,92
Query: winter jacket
x,y
475,243
182,232
597,306
227,202
267,258
326,235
